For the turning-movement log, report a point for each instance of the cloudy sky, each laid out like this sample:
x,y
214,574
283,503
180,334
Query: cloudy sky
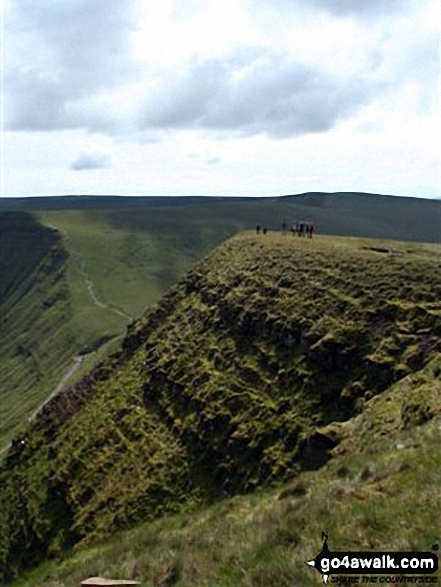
x,y
239,97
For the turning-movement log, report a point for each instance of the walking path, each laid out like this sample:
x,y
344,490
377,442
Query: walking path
x,y
78,359
61,384
74,366
89,283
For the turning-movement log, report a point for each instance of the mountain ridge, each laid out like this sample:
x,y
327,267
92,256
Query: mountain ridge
x,y
75,202
119,261
236,379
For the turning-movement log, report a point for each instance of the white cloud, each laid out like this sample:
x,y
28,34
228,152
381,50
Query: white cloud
x,y
91,161
264,92
350,86
58,55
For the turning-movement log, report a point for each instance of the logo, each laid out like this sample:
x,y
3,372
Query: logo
x,y
316,562
370,564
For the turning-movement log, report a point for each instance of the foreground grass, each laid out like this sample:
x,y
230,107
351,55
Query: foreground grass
x,y
384,495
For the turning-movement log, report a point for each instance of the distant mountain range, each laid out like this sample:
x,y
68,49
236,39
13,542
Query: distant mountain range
x,y
340,213
83,202
94,202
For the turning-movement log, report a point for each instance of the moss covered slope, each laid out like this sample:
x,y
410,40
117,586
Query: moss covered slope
x,y
239,377
380,491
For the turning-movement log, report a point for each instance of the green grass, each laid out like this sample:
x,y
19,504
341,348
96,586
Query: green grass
x,y
37,339
51,262
131,257
368,498
242,377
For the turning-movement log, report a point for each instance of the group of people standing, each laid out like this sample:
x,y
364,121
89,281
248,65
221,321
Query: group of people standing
x,y
300,228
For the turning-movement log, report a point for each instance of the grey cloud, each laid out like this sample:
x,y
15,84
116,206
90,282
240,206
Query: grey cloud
x,y
269,94
360,7
341,7
91,161
354,8
66,54
63,53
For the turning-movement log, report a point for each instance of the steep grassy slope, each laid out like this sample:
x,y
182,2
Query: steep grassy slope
x,y
37,339
116,262
234,380
380,491
71,282
132,257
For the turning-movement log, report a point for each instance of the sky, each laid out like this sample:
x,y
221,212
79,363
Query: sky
x,y
231,98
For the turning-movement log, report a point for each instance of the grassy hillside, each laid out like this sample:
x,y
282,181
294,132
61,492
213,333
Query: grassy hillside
x,y
71,281
132,257
119,255
37,339
240,377
379,492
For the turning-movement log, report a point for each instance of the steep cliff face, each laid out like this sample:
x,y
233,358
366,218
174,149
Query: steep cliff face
x,y
237,378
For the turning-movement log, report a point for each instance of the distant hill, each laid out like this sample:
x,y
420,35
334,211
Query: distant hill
x,y
272,357
39,203
354,214
104,202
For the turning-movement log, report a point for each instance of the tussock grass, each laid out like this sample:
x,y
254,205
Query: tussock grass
x,y
264,539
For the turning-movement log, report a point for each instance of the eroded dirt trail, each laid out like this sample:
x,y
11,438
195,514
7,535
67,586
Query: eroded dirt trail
x,y
73,367
71,370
